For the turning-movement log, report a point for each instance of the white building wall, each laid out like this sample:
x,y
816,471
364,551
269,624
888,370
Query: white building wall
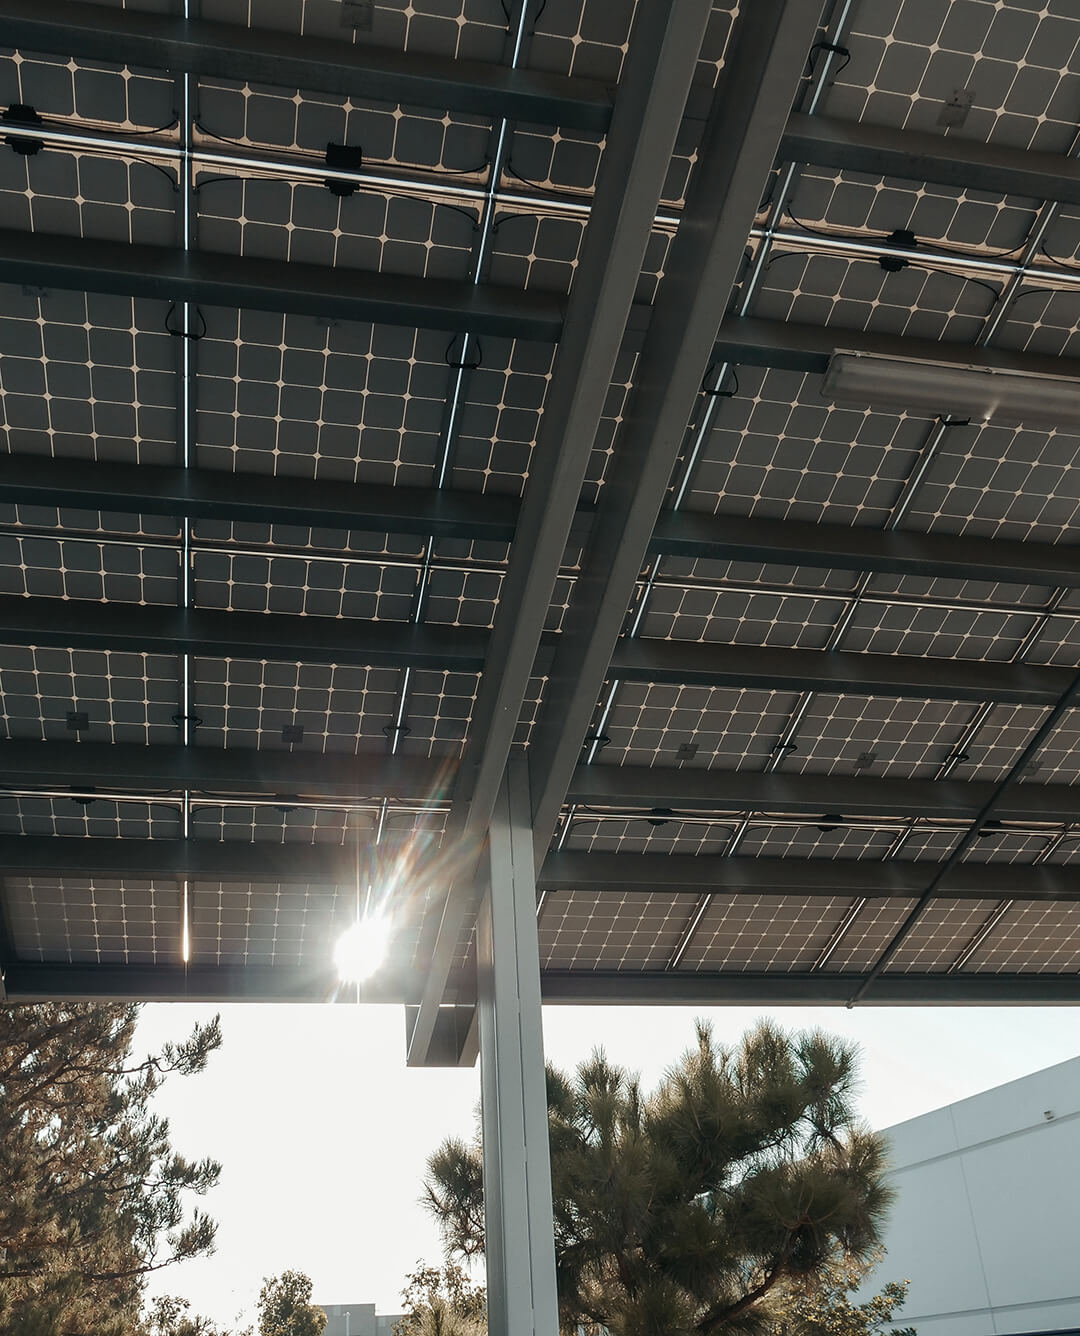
x,y
986,1224
357,1320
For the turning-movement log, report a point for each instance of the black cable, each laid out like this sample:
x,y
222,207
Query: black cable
x,y
1061,264
867,238
835,48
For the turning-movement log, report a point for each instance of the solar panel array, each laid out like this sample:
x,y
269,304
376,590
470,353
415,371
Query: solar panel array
x,y
252,555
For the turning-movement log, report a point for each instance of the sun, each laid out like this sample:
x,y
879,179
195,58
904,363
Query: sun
x,y
362,948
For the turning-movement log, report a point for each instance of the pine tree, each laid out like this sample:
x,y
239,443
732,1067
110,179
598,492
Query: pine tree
x,y
92,1194
683,1212
822,1305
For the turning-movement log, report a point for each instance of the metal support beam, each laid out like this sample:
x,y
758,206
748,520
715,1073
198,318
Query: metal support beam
x,y
254,498
75,624
663,874
39,981
38,260
230,772
917,155
668,874
706,988
741,138
518,1225
859,548
695,790
288,60
660,67
748,341
736,666
199,860
251,498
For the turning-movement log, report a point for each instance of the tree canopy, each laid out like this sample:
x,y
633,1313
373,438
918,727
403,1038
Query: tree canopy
x,y
442,1301
684,1211
285,1307
92,1194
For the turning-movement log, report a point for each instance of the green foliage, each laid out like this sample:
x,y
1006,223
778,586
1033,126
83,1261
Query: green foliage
x,y
92,1195
171,1316
285,1307
442,1302
822,1305
682,1212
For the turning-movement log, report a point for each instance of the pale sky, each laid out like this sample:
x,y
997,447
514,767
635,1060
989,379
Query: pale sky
x,y
323,1131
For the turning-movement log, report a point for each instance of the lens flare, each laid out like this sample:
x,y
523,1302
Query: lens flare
x,y
362,948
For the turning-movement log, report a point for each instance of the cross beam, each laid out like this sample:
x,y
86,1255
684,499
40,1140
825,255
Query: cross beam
x,y
248,282
288,60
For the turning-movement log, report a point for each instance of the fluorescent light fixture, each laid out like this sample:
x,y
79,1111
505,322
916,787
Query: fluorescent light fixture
x,y
362,948
952,390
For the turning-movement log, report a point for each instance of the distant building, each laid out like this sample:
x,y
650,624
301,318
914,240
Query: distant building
x,y
357,1320
987,1221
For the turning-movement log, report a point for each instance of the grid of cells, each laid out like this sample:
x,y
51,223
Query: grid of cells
x,y
530,710
719,617
285,824
1044,319
710,571
1058,760
751,933
996,845
87,375
94,920
247,703
308,224
299,397
535,252
857,294
999,743
124,697
1002,482
500,416
392,136
113,524
439,708
941,934
1032,938
869,933
972,222
938,633
779,451
1058,642
265,923
1019,62
611,930
928,843
98,572
731,729
950,592
112,96
648,834
825,840
305,586
427,27
874,735
83,195
88,817
611,420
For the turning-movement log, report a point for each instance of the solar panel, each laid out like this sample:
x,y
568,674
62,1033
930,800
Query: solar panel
x,y
464,188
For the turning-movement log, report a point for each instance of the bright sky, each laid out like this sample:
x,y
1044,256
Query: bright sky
x,y
323,1131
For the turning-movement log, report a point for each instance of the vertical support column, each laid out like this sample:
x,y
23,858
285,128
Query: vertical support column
x,y
522,1299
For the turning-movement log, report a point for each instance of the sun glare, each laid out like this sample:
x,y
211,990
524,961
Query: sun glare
x,y
362,948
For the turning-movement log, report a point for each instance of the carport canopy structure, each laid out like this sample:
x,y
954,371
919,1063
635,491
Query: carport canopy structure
x,y
428,494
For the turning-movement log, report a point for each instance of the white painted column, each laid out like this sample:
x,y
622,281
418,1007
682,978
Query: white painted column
x,y
522,1299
